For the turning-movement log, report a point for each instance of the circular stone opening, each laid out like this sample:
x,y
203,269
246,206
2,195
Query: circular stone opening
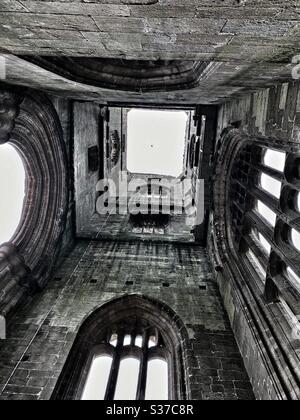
x,y
12,190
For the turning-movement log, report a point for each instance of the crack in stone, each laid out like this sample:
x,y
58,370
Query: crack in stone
x,y
139,2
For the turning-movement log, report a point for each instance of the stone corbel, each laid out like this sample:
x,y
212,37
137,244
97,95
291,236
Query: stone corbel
x,y
12,265
115,148
9,109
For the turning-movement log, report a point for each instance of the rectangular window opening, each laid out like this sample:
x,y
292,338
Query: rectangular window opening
x,y
96,384
274,159
156,141
270,185
263,241
266,213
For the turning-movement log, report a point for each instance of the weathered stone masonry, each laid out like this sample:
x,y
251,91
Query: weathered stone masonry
x,y
255,316
64,65
41,335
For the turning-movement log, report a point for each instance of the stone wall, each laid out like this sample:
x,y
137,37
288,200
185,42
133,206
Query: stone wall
x,y
40,336
32,126
86,134
273,113
103,122
64,111
252,30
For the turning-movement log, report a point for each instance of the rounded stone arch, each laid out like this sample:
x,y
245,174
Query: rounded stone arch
x,y
30,124
252,301
231,144
93,331
127,75
228,147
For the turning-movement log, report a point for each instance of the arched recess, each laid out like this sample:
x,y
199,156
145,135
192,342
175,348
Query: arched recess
x,y
263,307
127,75
28,121
139,315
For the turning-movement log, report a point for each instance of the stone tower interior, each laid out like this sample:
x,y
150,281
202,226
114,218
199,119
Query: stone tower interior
x,y
199,290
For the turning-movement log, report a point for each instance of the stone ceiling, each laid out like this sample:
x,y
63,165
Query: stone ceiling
x,y
127,75
248,43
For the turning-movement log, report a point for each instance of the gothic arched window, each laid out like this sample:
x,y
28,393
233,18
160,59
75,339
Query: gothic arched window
x,y
31,131
266,218
130,363
255,231
12,187
130,349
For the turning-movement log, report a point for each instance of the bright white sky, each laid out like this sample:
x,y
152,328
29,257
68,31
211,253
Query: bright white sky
x,y
275,160
12,186
127,382
157,379
156,141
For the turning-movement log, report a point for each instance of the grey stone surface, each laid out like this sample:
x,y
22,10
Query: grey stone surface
x,y
41,334
221,82
250,46
63,109
272,112
254,42
273,115
271,20
89,223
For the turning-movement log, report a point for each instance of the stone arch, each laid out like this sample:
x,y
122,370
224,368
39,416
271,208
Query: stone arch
x,y
127,75
30,124
94,329
253,304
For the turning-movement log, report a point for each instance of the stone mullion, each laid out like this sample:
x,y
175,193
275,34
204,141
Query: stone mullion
x,y
281,251
278,249
271,289
240,183
265,169
274,205
256,221
257,249
264,227
113,377
274,283
141,390
267,199
290,294
238,206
